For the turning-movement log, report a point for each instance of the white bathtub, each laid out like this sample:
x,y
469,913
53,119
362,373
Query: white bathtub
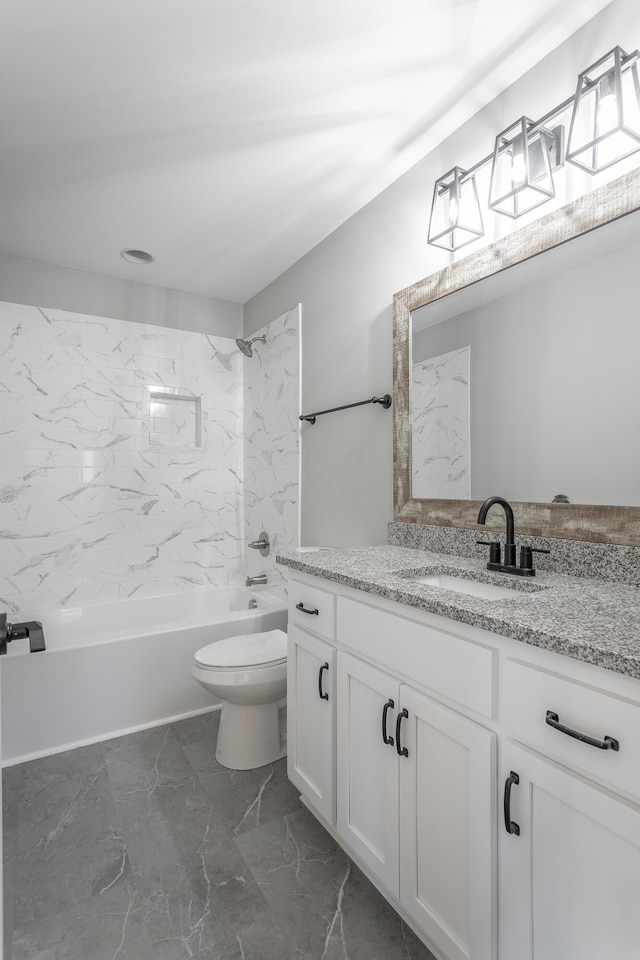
x,y
117,667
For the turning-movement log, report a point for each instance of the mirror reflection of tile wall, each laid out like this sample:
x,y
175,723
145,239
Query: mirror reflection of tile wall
x,y
440,440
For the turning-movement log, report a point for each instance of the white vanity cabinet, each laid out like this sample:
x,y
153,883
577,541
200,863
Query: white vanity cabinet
x,y
570,877
311,697
505,824
569,850
416,805
311,720
367,767
416,778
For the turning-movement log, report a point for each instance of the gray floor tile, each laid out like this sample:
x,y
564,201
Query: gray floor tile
x,y
102,928
365,927
11,777
70,845
169,824
326,905
145,847
262,941
300,870
10,791
52,787
203,728
147,766
244,799
213,906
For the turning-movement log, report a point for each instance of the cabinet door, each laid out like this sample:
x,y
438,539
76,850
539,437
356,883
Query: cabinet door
x,y
311,719
367,767
569,882
447,828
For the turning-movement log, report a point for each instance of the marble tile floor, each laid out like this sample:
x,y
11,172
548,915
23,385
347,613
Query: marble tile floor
x,y
145,848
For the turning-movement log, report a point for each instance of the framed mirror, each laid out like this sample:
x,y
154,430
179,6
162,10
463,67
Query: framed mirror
x,y
517,373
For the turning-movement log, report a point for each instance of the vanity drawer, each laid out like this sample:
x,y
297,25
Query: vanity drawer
x,y
442,662
313,609
528,693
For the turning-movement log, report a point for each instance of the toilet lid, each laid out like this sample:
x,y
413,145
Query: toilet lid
x,y
247,650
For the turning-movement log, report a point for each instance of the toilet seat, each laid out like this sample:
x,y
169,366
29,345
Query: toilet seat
x,y
245,652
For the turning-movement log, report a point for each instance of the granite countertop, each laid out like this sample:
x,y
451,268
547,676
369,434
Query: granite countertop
x,y
586,619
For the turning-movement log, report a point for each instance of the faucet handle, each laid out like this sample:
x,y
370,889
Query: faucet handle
x,y
494,549
526,558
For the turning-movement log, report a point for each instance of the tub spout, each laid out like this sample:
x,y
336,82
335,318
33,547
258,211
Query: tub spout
x,y
254,581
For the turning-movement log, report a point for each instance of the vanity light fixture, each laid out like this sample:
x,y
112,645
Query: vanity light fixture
x,y
521,177
605,128
605,123
456,218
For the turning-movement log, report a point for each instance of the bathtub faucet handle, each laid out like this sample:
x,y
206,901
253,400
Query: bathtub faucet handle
x,y
19,631
32,630
262,543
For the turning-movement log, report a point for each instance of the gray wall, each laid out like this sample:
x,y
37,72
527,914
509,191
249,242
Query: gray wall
x,y
347,282
40,284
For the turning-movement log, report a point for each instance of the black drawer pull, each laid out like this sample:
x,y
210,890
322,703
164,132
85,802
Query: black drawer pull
x,y
402,751
323,696
301,607
512,780
609,743
388,705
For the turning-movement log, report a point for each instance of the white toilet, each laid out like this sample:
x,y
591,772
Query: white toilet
x,y
249,674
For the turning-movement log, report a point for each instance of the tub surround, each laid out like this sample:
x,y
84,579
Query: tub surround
x,y
587,619
272,443
94,504
137,460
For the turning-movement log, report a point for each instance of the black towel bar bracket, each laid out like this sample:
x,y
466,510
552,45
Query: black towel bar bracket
x,y
383,401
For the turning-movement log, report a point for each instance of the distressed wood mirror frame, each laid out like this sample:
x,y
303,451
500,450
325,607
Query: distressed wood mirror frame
x,y
599,523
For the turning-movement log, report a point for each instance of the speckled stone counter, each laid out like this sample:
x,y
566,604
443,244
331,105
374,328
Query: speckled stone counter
x,y
586,619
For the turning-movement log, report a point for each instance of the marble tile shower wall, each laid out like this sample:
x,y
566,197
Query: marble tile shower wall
x,y
272,443
93,505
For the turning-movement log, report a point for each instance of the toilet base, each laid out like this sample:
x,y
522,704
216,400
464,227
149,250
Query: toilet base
x,y
249,735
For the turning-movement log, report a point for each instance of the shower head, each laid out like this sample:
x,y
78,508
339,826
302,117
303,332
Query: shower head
x,y
245,345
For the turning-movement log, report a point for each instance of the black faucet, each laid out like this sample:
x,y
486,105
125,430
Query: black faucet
x,y
510,546
19,631
525,569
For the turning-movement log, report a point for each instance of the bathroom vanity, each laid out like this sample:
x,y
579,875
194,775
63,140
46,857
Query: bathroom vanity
x,y
478,757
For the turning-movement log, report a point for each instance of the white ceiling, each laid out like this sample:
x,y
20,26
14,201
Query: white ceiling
x,y
228,137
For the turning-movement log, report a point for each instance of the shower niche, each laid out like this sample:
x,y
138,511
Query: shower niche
x,y
172,419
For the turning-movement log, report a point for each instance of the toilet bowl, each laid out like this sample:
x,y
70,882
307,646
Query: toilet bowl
x,y
249,674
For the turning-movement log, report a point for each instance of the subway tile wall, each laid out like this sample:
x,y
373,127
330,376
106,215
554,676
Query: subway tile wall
x,y
272,443
93,505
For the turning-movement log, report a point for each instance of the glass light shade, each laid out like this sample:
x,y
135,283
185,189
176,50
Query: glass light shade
x,y
521,177
605,123
455,211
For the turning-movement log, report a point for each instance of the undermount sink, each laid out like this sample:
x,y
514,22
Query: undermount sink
x,y
472,588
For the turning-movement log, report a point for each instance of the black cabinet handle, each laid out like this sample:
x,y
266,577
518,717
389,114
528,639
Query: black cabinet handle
x,y
301,607
323,696
512,780
609,743
402,751
388,705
